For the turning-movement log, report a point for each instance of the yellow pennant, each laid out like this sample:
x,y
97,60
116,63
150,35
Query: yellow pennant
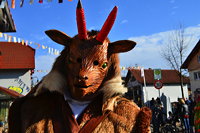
x,y
1,34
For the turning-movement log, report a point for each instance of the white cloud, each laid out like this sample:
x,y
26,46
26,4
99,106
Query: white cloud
x,y
124,21
147,52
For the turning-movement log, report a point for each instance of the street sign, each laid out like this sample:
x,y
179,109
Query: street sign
x,y
158,84
157,74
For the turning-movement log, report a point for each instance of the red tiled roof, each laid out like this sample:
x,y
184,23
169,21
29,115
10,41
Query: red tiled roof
x,y
16,56
10,92
191,55
168,76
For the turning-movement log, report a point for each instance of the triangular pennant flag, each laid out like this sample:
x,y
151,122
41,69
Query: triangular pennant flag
x,y
40,1
5,36
49,1
49,50
22,42
54,52
43,47
1,34
60,1
31,1
26,43
13,4
14,39
37,45
9,38
21,3
19,40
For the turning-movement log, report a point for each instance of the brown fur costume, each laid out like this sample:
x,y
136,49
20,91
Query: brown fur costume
x,y
87,70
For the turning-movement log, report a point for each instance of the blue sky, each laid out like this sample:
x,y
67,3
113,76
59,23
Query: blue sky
x,y
148,22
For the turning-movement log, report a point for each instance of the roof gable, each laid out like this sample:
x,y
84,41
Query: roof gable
x,y
194,52
168,76
16,56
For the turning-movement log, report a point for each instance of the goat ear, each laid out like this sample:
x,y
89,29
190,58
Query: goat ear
x,y
59,37
121,46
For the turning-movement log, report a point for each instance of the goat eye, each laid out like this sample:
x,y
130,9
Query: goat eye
x,y
96,63
104,65
79,60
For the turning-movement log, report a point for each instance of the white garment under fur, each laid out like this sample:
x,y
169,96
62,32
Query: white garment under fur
x,y
77,107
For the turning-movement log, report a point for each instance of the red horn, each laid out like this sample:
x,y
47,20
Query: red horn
x,y
107,25
81,23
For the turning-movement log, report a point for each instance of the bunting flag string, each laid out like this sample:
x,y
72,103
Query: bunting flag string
x,y
122,68
45,71
13,2
128,68
10,38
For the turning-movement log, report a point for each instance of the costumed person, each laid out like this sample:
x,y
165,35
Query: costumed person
x,y
197,112
83,93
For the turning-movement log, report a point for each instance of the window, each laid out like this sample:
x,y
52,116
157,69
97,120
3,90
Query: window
x,y
197,75
198,58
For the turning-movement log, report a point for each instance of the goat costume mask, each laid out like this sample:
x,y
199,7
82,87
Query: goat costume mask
x,y
87,71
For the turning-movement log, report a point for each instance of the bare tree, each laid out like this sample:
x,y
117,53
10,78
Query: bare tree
x,y
175,50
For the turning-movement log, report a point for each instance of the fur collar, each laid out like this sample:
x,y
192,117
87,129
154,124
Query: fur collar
x,y
55,81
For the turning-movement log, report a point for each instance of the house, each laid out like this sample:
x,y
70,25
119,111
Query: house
x,y
192,63
6,21
142,88
16,65
17,62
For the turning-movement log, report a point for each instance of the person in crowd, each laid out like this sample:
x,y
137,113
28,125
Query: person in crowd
x,y
191,105
152,103
159,102
157,115
170,117
197,113
175,113
184,115
157,118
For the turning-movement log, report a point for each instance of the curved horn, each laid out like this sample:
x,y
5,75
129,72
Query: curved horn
x,y
107,25
81,23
